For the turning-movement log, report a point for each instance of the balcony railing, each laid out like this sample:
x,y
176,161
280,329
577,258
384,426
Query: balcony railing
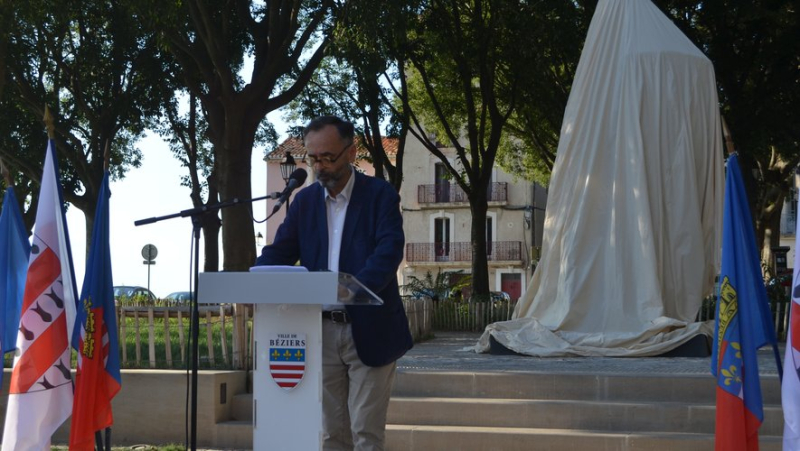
x,y
451,192
462,252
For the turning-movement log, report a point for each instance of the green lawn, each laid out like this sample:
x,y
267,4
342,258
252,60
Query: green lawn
x,y
175,344
129,342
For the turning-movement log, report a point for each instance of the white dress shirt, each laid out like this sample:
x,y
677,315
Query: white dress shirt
x,y
336,208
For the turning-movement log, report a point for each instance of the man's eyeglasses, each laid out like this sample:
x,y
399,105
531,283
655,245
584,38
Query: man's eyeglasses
x,y
326,159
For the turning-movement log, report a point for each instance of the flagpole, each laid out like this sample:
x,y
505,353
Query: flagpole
x,y
196,228
104,445
6,175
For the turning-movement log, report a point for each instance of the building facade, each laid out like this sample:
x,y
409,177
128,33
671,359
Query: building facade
x,y
437,220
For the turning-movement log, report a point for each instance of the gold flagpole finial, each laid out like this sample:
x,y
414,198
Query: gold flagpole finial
x,y
726,132
49,122
6,175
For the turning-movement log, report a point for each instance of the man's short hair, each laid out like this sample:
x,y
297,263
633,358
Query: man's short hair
x,y
346,129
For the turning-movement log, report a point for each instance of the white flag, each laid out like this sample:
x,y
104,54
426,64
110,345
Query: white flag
x,y
790,389
40,394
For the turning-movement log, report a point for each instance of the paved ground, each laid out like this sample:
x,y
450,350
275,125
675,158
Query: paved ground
x,y
446,352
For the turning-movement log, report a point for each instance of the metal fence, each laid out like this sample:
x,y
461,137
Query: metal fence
x,y
451,192
778,306
158,336
462,251
452,315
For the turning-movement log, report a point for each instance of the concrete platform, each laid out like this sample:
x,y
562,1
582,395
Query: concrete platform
x,y
449,398
447,352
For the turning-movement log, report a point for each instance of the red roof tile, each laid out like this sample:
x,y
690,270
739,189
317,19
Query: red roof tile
x,y
295,147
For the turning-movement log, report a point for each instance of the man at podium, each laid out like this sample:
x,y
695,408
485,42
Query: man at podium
x,y
349,222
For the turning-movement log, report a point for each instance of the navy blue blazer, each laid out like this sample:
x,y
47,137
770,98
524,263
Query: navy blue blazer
x,y
372,249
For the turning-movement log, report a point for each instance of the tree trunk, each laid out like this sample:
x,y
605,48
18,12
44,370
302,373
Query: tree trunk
x,y
768,226
766,184
88,208
233,163
211,225
480,265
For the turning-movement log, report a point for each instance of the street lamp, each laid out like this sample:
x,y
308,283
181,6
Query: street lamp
x,y
287,166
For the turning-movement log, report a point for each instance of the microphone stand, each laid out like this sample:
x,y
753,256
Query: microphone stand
x,y
195,214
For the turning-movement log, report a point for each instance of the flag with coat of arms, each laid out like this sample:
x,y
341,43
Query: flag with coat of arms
x,y
743,324
95,337
40,392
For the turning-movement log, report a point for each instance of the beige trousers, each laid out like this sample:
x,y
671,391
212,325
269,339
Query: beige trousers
x,y
355,397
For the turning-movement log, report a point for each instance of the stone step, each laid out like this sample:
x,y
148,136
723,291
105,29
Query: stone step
x,y
242,407
567,415
690,388
469,438
509,411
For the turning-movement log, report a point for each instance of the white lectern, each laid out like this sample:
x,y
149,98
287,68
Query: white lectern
x,y
287,356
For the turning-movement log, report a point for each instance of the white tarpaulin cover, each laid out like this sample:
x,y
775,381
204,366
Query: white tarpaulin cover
x,y
633,223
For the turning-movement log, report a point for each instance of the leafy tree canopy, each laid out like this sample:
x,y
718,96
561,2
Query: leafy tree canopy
x,y
93,65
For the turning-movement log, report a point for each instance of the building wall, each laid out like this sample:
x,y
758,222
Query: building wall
x,y
509,218
275,183
789,221
519,219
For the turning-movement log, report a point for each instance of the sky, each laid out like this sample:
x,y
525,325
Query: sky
x,y
152,190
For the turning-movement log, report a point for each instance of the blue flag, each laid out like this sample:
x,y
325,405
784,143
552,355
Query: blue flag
x,y
95,337
743,325
13,270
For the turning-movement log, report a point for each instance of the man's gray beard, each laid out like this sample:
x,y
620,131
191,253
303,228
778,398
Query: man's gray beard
x,y
329,184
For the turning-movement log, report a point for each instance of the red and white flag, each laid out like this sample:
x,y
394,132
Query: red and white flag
x,y
40,394
790,389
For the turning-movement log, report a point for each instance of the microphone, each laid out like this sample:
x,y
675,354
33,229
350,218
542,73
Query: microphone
x,y
297,179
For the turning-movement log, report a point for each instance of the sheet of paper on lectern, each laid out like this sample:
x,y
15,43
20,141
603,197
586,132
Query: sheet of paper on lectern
x,y
278,268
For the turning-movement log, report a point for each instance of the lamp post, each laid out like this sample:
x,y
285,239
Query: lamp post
x,y
287,167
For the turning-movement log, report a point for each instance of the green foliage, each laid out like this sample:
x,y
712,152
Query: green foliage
x,y
517,158
468,59
96,69
360,80
561,28
756,57
442,286
141,300
469,315
211,41
129,342
20,134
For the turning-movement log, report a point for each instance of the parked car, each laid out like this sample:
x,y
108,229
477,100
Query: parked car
x,y
499,296
133,294
494,296
179,297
